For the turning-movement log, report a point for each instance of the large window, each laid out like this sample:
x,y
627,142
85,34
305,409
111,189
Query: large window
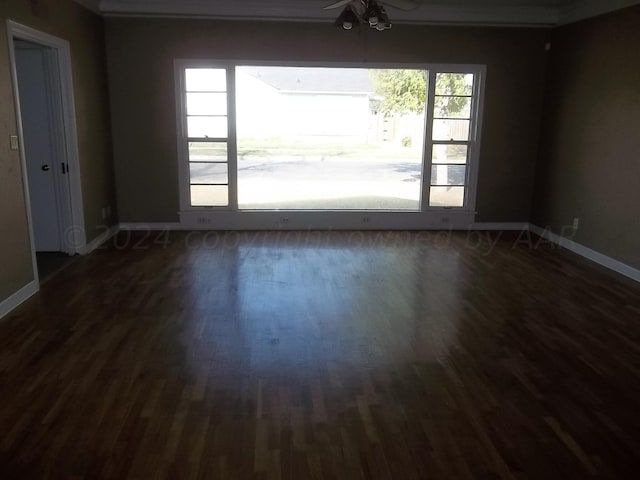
x,y
321,139
327,138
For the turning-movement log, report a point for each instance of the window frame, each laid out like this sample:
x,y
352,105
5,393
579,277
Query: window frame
x,y
474,141
183,139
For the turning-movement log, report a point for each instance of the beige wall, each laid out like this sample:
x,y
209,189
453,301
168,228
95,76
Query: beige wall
x,y
140,55
85,32
589,165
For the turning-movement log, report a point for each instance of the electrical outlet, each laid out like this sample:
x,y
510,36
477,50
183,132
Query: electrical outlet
x,y
284,220
13,142
576,222
366,219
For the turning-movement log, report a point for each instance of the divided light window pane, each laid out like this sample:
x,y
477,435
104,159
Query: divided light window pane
x,y
448,175
207,127
209,195
206,103
446,196
210,173
452,107
449,153
208,151
206,79
454,83
450,130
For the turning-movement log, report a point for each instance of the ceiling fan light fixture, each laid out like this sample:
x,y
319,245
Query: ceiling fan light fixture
x,y
369,12
372,13
383,22
347,19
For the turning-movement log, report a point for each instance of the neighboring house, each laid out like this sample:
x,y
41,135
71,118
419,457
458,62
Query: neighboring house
x,y
324,103
298,103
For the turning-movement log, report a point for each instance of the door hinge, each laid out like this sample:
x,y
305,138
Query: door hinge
x,y
65,167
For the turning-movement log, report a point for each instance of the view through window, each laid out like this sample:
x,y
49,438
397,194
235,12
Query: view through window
x,y
206,125
450,138
329,138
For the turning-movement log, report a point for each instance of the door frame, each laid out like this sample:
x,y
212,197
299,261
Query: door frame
x,y
71,218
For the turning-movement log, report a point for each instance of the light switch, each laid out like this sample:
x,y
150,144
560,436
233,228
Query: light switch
x,y
13,142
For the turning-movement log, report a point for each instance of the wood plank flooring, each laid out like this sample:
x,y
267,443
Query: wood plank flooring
x,y
319,355
51,263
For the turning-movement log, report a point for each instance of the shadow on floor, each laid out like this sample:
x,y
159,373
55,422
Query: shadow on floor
x,y
51,263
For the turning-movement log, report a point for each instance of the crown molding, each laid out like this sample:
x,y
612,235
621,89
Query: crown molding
x,y
310,10
520,14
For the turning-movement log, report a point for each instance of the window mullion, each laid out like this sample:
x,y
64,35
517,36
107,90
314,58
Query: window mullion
x,y
428,141
473,147
183,143
232,145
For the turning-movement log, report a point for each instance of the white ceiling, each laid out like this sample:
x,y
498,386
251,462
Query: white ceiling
x,y
467,12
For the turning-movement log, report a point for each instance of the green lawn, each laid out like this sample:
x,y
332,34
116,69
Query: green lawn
x,y
280,148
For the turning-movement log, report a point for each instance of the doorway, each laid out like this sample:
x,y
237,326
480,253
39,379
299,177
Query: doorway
x,y
41,132
41,69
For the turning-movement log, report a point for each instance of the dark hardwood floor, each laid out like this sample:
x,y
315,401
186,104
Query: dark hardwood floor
x,y
323,355
51,263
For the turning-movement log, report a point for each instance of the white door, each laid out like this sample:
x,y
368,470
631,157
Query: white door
x,y
35,90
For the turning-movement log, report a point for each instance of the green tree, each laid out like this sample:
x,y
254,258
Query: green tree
x,y
404,91
451,94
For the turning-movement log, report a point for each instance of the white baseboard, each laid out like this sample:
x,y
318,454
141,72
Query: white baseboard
x,y
506,226
588,253
99,240
17,298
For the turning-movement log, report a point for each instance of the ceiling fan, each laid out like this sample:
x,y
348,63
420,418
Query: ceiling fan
x,y
370,12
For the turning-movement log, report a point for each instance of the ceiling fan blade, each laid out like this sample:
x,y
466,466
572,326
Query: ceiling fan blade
x,y
402,4
340,3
